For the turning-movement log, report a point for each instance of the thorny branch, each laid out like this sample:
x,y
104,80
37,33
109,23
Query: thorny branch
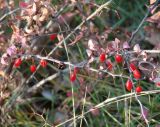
x,y
77,28
143,20
9,13
79,65
23,85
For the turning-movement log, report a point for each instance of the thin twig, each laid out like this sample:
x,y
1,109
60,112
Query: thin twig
x,y
9,13
146,51
142,22
84,101
138,28
79,65
39,84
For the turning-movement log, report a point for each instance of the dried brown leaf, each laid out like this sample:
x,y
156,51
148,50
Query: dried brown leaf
x,y
152,1
154,18
154,37
137,48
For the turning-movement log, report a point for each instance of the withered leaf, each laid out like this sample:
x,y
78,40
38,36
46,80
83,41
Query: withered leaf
x,y
154,18
152,1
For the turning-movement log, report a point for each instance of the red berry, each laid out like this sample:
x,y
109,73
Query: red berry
x,y
43,63
119,58
32,68
18,62
138,89
132,66
72,77
102,57
129,85
109,65
136,74
53,36
158,84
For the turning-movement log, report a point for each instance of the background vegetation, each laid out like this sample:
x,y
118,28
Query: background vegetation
x,y
45,97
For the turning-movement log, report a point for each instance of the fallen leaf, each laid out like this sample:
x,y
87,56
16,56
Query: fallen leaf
x,y
4,59
152,1
12,50
126,45
137,48
154,18
91,44
89,52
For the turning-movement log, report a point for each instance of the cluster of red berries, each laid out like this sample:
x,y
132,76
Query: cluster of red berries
x,y
129,86
33,67
135,71
136,75
118,59
102,59
133,68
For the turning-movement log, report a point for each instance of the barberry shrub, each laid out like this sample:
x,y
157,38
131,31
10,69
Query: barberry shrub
x,y
79,63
